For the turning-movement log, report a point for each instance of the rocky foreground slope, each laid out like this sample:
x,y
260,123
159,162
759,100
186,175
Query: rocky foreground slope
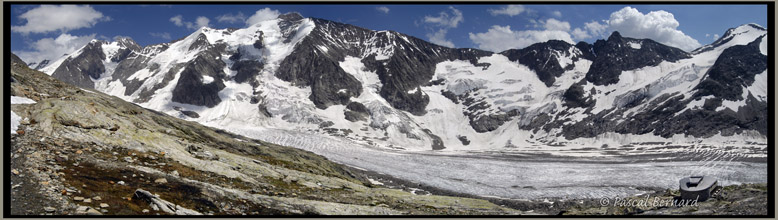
x,y
78,151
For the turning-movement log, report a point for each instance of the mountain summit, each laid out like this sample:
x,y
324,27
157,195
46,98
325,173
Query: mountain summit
x,y
391,90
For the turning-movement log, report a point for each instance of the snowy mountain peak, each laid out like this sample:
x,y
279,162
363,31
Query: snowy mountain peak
x,y
291,16
740,35
619,53
549,59
200,42
388,89
39,65
129,43
743,30
748,27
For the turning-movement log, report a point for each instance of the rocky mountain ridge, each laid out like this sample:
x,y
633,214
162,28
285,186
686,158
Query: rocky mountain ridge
x,y
390,90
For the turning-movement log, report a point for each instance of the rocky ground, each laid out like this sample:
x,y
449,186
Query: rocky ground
x,y
80,152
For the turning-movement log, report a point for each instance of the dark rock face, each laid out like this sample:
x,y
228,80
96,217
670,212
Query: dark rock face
x,y
127,67
574,97
190,114
353,116
146,94
288,20
437,143
587,50
88,65
200,42
292,16
38,66
357,107
128,46
659,119
474,106
464,140
333,85
486,123
664,116
355,111
703,122
616,55
538,122
451,96
401,74
542,58
733,70
80,70
247,70
191,89
308,65
406,70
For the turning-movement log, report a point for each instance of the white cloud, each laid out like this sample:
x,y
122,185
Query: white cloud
x,y
439,38
580,34
716,36
510,10
500,38
556,13
383,9
556,25
596,29
178,20
263,15
201,21
163,35
707,35
230,18
48,18
446,20
591,29
53,48
535,23
660,26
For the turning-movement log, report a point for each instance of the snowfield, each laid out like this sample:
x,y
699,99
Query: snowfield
x,y
534,176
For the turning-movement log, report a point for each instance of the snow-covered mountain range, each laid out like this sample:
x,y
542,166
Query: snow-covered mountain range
x,y
391,90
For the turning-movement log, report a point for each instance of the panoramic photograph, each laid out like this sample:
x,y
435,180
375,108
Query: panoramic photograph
x,y
388,109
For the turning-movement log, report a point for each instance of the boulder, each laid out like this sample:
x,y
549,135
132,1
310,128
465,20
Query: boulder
x,y
159,204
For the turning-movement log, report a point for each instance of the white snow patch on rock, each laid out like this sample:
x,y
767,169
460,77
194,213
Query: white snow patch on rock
x,y
21,100
635,45
207,79
14,122
15,119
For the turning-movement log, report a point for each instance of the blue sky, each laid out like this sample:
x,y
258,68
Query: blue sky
x,y
48,31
